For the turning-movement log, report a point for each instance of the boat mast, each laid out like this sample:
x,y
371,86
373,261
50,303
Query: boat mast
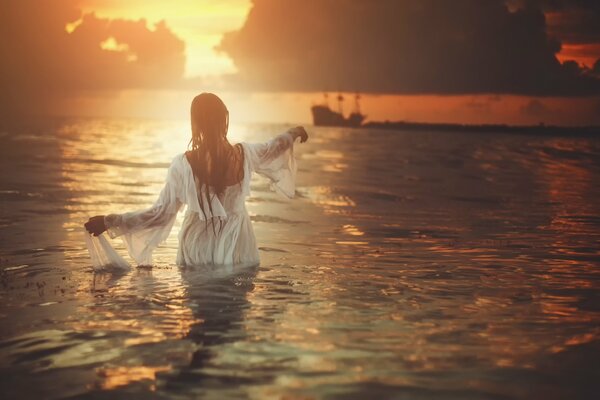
x,y
357,103
340,100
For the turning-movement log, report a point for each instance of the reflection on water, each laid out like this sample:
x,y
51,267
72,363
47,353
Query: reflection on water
x,y
411,264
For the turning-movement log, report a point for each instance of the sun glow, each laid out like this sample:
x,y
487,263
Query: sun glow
x,y
200,24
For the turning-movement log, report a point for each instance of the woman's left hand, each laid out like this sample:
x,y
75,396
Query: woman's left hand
x,y
95,225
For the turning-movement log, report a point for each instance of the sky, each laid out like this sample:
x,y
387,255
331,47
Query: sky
x,y
466,61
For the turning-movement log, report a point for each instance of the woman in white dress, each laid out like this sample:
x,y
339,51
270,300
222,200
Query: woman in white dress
x,y
212,180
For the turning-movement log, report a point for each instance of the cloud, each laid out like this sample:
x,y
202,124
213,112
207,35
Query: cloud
x,y
573,21
402,46
43,61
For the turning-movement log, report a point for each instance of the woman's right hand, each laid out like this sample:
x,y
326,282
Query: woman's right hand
x,y
95,225
300,132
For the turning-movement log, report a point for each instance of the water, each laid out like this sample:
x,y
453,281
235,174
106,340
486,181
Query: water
x,y
412,265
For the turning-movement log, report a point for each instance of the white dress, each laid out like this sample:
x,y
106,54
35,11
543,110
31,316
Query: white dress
x,y
232,240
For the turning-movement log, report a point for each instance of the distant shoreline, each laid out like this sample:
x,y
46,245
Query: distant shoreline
x,y
486,128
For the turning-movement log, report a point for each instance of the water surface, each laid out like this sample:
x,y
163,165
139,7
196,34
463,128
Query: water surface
x,y
418,265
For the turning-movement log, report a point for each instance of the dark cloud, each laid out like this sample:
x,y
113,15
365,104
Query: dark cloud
x,y
42,62
402,46
573,21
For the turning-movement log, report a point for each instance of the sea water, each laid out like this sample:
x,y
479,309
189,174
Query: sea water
x,y
417,265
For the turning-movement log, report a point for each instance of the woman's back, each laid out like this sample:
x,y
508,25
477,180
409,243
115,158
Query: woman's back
x,y
230,172
232,197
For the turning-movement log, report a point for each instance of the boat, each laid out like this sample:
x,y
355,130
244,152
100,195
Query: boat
x,y
325,116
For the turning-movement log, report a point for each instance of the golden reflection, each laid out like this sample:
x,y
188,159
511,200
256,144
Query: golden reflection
x,y
350,242
329,155
299,325
568,183
563,312
582,338
121,376
331,203
330,160
171,318
352,230
334,167
576,340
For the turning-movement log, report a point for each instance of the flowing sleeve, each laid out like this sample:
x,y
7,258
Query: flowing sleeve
x,y
143,230
275,160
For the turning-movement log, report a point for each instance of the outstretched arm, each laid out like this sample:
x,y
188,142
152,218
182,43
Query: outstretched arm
x,y
275,159
263,154
144,230
159,214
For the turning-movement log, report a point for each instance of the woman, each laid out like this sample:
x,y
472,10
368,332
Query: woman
x,y
213,180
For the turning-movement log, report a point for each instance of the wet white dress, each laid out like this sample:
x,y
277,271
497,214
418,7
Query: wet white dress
x,y
232,241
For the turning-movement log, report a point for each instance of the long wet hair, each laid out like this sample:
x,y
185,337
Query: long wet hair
x,y
211,154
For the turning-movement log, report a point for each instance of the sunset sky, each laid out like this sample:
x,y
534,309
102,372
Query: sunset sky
x,y
469,61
